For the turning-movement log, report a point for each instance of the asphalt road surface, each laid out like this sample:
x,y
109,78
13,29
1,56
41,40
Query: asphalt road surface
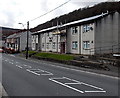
x,y
21,77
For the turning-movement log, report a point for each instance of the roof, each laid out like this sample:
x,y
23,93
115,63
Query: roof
x,y
15,35
12,36
72,23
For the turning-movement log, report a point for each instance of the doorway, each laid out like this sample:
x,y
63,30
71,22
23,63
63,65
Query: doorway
x,y
62,47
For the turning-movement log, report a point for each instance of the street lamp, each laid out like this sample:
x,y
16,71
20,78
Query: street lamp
x,y
27,37
22,25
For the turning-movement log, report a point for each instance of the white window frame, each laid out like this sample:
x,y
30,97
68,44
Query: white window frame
x,y
74,30
87,28
47,45
74,45
43,45
86,44
54,45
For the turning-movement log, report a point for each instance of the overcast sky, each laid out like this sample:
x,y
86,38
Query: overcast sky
x,y
13,12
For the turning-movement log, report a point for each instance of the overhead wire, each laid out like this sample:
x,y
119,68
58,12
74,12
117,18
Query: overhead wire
x,y
51,10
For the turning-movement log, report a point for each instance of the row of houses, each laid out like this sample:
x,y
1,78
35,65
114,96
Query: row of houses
x,y
17,41
87,36
92,35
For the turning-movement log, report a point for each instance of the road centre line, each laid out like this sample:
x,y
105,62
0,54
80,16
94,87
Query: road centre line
x,y
66,85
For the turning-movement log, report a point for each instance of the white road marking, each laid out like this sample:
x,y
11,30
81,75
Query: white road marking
x,y
72,83
12,55
27,66
6,60
48,73
72,80
95,91
32,72
91,86
66,86
17,62
19,66
75,82
10,62
84,83
98,74
57,78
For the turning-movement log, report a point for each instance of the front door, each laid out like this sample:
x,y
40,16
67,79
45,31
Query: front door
x,y
62,47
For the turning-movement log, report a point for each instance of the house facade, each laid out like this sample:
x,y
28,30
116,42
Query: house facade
x,y
92,35
18,41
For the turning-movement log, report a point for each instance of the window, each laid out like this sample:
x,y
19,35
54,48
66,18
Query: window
x,y
33,45
47,46
53,45
47,34
74,30
87,28
74,45
42,45
86,45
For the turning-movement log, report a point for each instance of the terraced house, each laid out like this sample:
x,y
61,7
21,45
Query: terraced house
x,y
94,33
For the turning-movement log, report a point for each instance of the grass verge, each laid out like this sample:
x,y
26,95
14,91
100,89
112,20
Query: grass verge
x,y
55,56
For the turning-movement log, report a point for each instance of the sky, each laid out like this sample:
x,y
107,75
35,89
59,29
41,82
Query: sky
x,y
13,12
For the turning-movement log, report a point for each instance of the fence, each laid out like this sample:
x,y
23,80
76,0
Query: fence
x,y
104,50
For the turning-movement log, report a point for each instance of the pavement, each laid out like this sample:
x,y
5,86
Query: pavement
x,y
2,91
42,78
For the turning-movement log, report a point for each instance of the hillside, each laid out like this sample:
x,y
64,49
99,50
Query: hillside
x,y
80,14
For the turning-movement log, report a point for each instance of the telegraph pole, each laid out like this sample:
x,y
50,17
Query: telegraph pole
x,y
27,39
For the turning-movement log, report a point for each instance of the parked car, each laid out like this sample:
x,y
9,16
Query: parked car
x,y
1,50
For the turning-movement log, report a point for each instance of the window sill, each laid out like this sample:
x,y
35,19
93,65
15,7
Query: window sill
x,y
86,49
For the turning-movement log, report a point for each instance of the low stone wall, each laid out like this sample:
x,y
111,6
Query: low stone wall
x,y
85,64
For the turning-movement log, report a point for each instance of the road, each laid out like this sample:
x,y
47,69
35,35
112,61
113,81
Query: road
x,y
21,77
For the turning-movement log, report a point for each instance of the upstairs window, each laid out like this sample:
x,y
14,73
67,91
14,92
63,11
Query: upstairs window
x,y
74,30
87,28
47,34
